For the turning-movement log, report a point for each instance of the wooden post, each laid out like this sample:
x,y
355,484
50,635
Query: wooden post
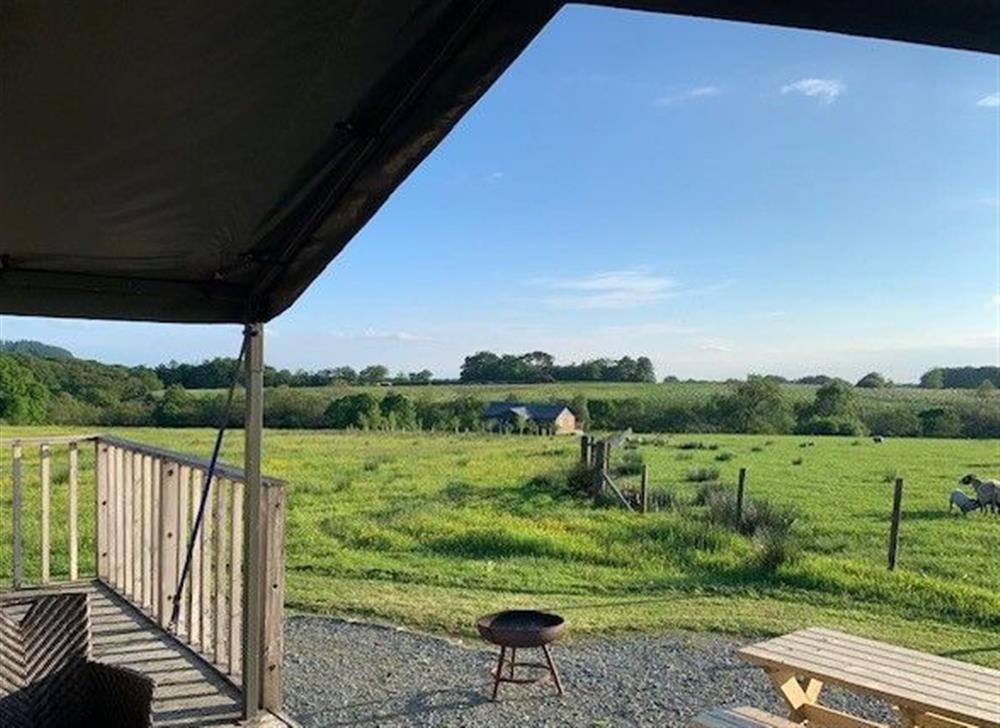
x,y
897,502
741,486
272,642
45,468
128,507
600,452
584,450
645,489
17,569
74,528
252,594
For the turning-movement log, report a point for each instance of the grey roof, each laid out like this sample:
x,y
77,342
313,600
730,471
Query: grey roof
x,y
530,411
205,161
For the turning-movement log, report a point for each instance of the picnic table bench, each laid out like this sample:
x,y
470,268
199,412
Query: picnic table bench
x,y
928,691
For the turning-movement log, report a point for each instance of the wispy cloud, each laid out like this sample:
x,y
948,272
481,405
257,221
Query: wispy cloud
x,y
371,334
652,328
612,289
617,289
494,177
691,93
715,346
990,101
826,90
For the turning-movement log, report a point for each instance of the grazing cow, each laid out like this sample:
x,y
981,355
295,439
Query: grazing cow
x,y
987,492
964,502
878,439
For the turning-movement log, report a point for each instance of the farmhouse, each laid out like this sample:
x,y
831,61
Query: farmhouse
x,y
552,418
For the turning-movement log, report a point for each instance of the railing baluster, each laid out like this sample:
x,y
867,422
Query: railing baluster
x,y
220,577
169,522
272,513
207,528
184,522
236,578
129,534
120,545
138,546
147,530
17,567
102,516
45,470
156,524
74,526
194,576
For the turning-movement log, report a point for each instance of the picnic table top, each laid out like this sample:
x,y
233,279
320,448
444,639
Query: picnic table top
x,y
907,678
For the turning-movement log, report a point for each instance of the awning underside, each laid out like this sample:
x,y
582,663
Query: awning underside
x,y
193,161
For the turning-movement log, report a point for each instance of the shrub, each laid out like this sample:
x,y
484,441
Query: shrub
x,y
580,479
706,492
663,499
691,446
832,425
724,457
773,548
798,461
702,475
893,422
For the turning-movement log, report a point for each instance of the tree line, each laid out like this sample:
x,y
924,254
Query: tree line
x,y
539,366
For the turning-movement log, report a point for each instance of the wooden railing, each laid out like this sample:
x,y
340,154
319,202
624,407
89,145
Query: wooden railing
x,y
145,505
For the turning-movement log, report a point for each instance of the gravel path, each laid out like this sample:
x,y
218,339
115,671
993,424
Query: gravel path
x,y
345,673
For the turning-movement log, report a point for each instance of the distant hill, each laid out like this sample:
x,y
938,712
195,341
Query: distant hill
x,y
35,348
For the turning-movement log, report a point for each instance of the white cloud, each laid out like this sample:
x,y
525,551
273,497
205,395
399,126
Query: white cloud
x,y
648,329
824,89
371,334
495,177
691,93
613,289
990,101
715,346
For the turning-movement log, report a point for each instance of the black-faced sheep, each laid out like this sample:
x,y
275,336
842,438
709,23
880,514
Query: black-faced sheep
x,y
964,502
987,492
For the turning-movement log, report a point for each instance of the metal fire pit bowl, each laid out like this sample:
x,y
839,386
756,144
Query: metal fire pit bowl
x,y
522,628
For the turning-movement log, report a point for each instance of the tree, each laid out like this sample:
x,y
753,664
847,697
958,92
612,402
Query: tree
x,y
343,374
373,374
355,410
834,411
398,411
644,370
934,379
172,408
873,380
23,398
756,406
940,422
424,376
986,390
581,410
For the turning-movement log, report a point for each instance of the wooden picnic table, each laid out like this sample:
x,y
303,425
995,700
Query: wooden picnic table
x,y
928,691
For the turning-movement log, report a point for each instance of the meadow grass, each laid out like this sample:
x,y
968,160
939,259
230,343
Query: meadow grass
x,y
430,530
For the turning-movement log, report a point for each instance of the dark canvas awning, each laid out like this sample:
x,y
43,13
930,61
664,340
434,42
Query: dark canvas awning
x,y
183,160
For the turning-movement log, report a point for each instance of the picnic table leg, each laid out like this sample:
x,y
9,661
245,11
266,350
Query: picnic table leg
x,y
795,692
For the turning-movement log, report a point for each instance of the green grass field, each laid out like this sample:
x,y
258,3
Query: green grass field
x,y
430,530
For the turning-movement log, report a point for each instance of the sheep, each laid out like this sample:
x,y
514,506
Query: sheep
x,y
878,439
964,502
987,492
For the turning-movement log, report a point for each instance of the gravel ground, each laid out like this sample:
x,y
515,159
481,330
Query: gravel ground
x,y
345,673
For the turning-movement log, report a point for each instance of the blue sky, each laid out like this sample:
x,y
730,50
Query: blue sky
x,y
725,198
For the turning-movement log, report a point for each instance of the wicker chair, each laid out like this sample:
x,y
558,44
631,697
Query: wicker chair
x,y
47,678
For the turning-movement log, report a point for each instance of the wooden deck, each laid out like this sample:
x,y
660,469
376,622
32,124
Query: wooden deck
x,y
189,691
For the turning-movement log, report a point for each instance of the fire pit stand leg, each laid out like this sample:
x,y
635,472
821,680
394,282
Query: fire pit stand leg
x,y
552,668
499,675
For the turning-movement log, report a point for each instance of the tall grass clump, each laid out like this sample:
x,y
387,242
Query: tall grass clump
x,y
702,475
631,463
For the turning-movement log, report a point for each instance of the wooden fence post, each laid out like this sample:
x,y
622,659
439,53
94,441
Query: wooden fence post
x,y
739,495
600,465
897,501
585,450
645,489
